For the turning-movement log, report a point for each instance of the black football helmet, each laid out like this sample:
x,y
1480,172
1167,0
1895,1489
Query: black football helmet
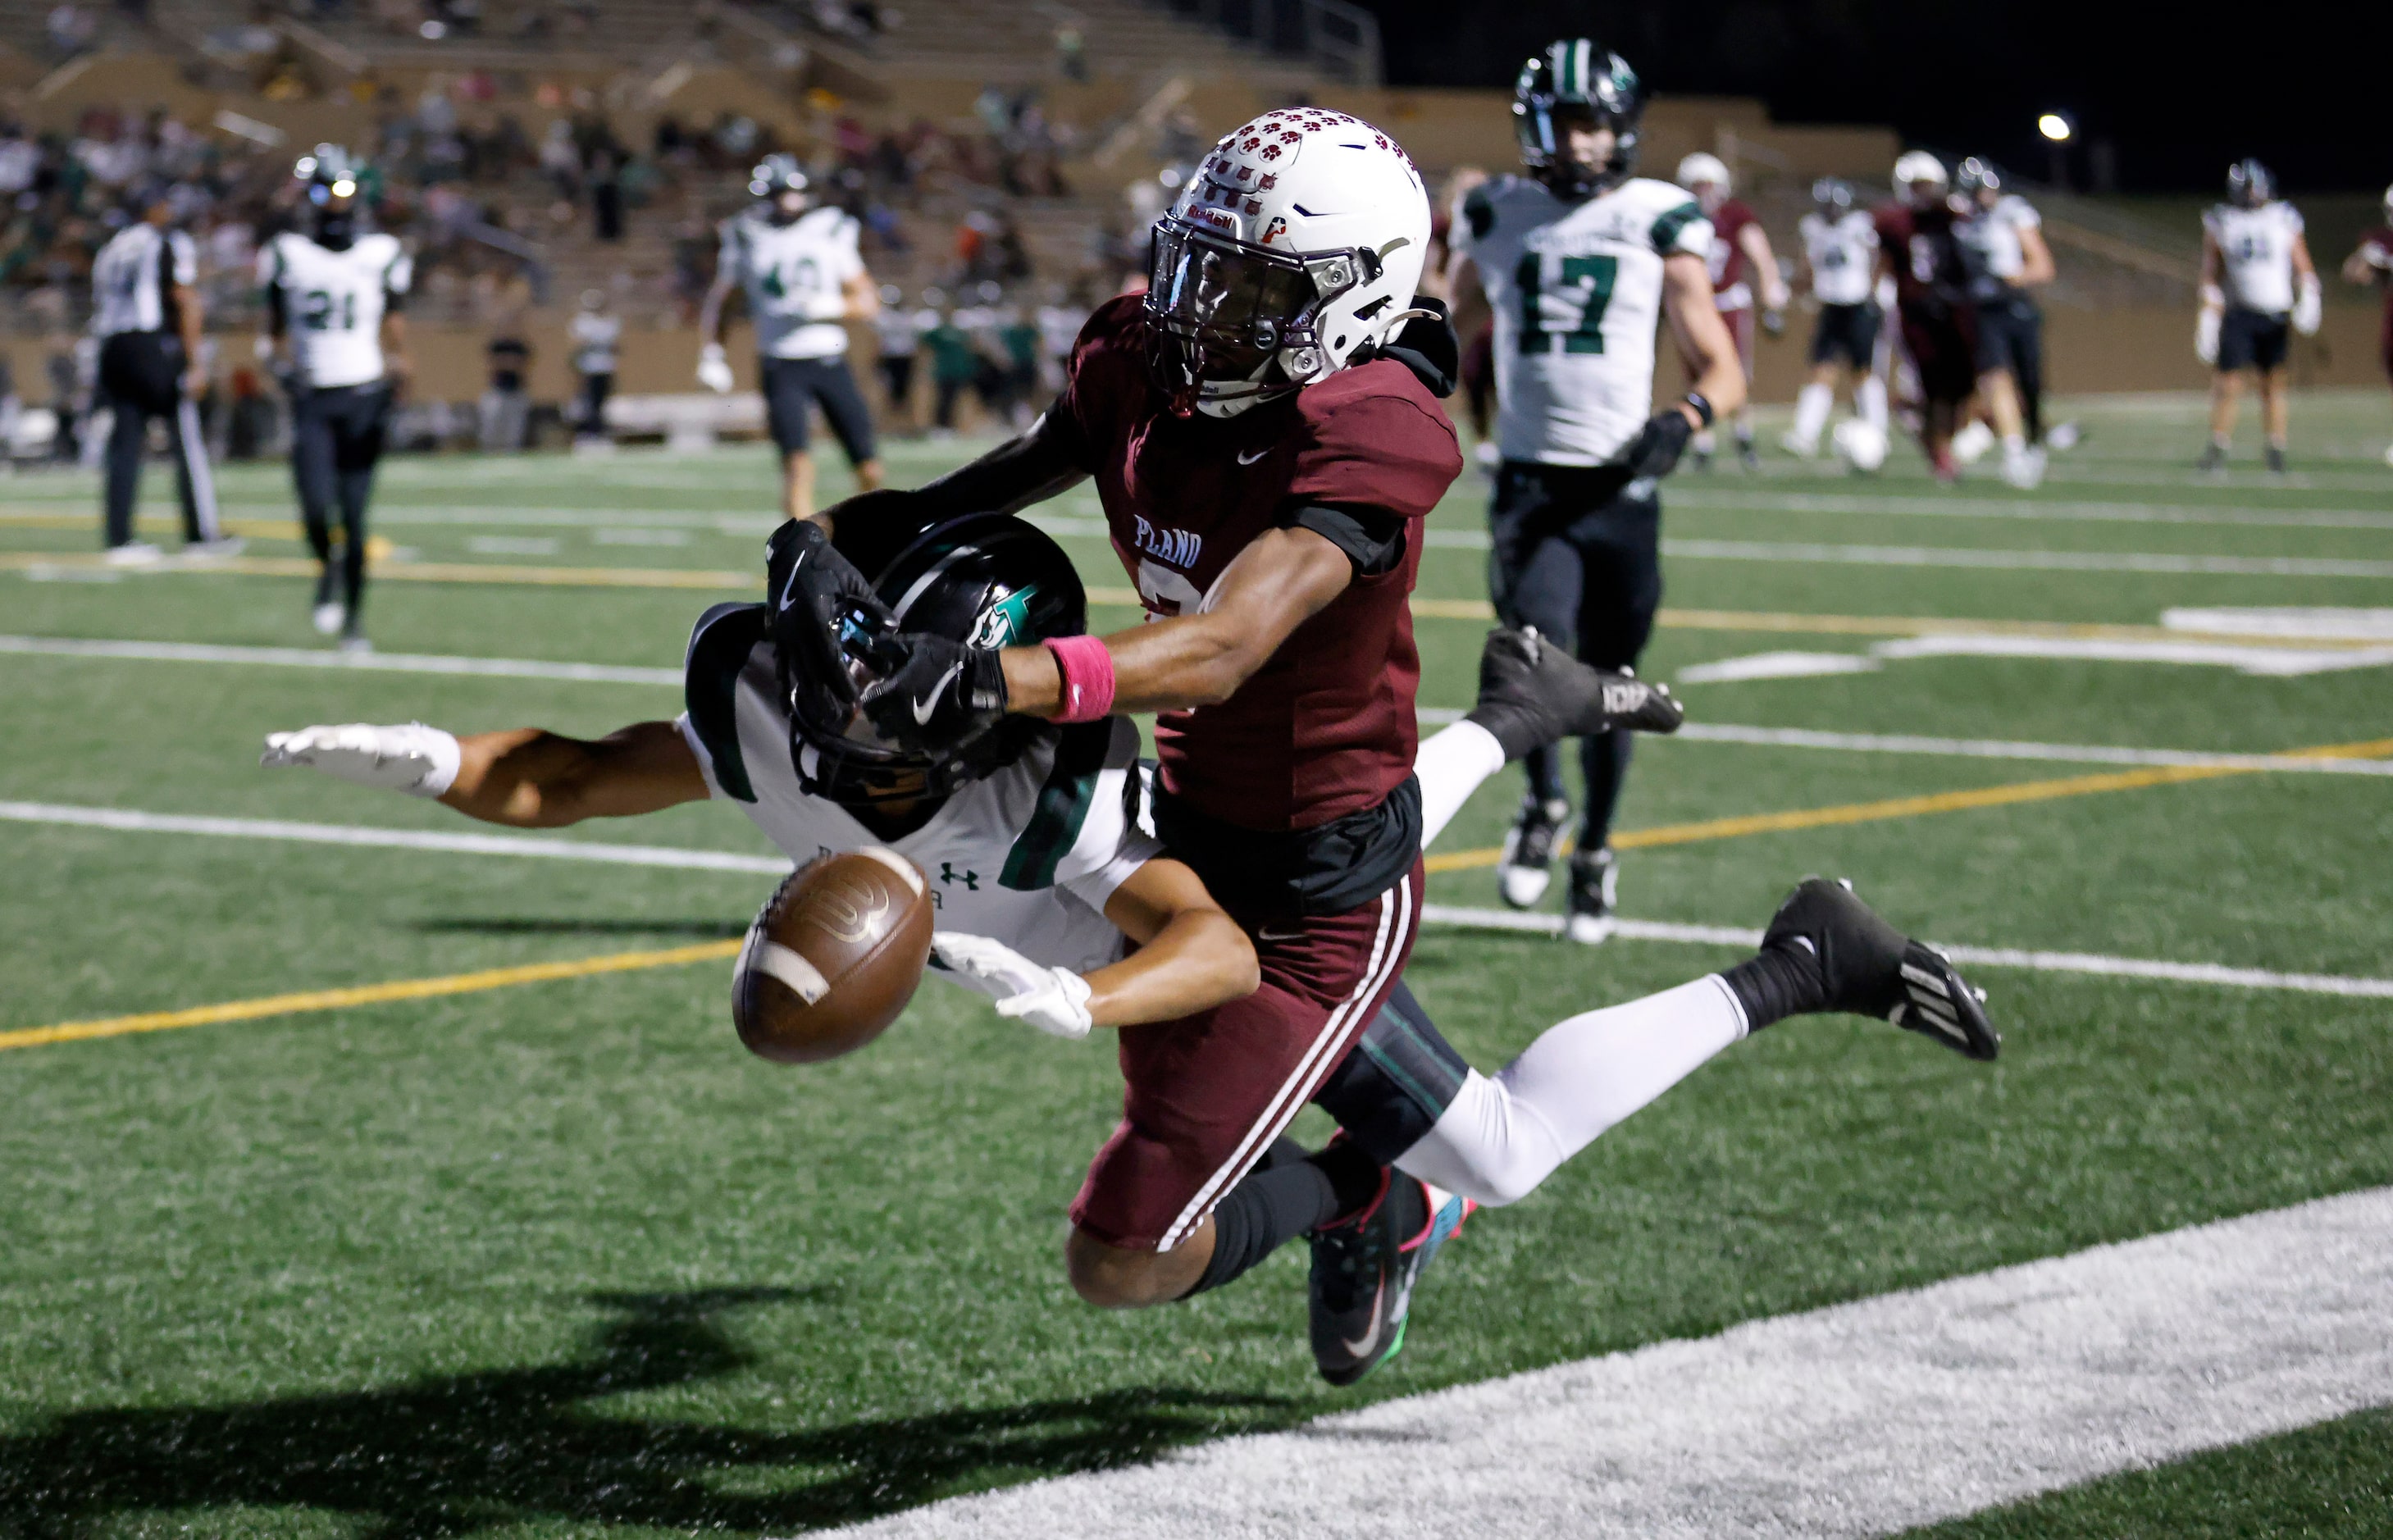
x,y
1576,76
2249,184
778,175
1973,176
1833,196
334,182
985,579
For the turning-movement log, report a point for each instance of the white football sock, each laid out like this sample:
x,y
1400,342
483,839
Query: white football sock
x,y
1873,402
1811,407
1450,766
1502,1136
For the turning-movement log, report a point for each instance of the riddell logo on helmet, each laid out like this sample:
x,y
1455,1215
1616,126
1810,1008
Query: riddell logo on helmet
x,y
1218,219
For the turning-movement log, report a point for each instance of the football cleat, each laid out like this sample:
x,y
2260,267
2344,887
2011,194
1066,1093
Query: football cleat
x,y
1521,870
222,548
2214,458
328,618
356,642
1594,897
2023,470
1867,967
1531,693
1366,1268
2276,461
132,552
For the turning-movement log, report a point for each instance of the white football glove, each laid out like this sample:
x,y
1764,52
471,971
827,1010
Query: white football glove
x,y
714,369
1052,999
2205,335
2310,308
410,757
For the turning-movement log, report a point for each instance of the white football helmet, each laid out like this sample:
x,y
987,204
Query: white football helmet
x,y
2389,205
1703,170
1296,243
1914,166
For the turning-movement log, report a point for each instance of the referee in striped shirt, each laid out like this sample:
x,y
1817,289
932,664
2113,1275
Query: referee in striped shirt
x,y
146,314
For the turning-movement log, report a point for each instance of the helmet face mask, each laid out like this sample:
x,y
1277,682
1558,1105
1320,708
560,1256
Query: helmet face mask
x,y
1222,315
1576,83
2249,184
331,184
782,186
986,581
1833,196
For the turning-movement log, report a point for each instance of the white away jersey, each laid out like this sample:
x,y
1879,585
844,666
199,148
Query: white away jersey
x,y
1028,856
1577,290
792,274
1990,242
2256,249
596,338
333,301
1843,256
131,276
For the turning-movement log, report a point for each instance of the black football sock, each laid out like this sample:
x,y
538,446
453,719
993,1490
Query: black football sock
x,y
1288,1194
1776,983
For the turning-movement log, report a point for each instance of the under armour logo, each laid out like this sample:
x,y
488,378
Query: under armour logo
x,y
970,879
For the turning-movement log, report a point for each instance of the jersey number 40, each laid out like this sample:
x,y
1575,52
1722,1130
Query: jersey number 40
x,y
1585,279
806,278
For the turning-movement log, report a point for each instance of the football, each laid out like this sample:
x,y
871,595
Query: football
x,y
833,958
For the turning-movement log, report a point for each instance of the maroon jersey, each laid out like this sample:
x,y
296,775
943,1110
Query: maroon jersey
x,y
1930,274
1730,290
1326,726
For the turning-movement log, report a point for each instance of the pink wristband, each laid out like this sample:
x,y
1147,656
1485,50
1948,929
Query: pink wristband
x,y
1088,671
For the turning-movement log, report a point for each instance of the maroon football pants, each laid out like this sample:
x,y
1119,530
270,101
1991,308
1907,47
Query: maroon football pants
x,y
1206,1095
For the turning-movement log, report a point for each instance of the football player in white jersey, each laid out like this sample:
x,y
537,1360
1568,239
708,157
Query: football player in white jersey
x,y
2001,238
2257,283
1034,846
795,263
333,294
1580,262
1839,261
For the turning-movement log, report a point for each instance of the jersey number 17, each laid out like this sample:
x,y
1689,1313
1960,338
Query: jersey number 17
x,y
1588,280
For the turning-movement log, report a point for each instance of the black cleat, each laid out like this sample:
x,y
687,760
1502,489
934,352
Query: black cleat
x,y
2276,461
1521,872
1865,966
1366,1268
1532,693
1595,894
2212,459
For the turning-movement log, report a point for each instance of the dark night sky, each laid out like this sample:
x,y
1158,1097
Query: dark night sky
x,y
2304,85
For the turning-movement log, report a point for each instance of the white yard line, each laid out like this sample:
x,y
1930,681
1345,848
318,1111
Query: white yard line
x,y
2068,753
2267,659
132,820
2024,561
367,662
1959,506
1860,1420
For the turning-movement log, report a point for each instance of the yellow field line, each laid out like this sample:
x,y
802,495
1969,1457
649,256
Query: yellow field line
x,y
365,994
1939,801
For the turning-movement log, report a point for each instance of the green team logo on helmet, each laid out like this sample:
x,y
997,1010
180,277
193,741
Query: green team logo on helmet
x,y
1002,622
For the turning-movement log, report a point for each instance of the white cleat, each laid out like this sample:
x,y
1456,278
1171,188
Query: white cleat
x,y
222,548
356,645
2023,470
133,553
1800,447
1970,444
328,619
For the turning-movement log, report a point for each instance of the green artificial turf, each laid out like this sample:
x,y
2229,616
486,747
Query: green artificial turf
x,y
559,1259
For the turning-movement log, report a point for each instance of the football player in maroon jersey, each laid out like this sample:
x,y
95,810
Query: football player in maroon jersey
x,y
1916,244
1264,432
1744,268
2371,263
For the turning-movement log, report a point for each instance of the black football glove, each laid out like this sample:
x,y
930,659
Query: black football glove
x,y
1532,693
810,592
941,695
1657,449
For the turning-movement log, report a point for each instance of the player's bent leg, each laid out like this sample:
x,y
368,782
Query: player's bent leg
x,y
797,484
1119,1277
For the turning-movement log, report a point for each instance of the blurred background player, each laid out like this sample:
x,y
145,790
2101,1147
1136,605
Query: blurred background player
x,y
1581,262
596,336
1741,263
1916,248
2001,236
798,267
2371,263
2257,284
333,294
146,314
1839,271
897,341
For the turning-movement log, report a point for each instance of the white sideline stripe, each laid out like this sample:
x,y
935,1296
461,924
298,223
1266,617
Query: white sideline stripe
x,y
129,820
2026,561
2311,625
2215,974
2071,512
2071,753
370,662
1862,1419
2267,660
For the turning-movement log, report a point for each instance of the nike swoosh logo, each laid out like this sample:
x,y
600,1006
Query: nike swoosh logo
x,y
1250,459
929,701
1261,935
1371,1336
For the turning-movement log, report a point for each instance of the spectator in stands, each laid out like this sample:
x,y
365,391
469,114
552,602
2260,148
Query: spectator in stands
x,y
560,158
595,334
506,405
607,192
898,343
71,30
1071,54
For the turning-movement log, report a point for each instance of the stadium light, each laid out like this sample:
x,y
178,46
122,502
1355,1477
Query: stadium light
x,y
2056,127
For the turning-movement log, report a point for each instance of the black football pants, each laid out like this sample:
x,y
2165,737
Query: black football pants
x,y
336,436
141,376
1576,551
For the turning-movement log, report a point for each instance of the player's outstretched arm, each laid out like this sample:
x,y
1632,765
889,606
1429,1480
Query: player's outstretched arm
x,y
1702,336
1191,957
526,778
